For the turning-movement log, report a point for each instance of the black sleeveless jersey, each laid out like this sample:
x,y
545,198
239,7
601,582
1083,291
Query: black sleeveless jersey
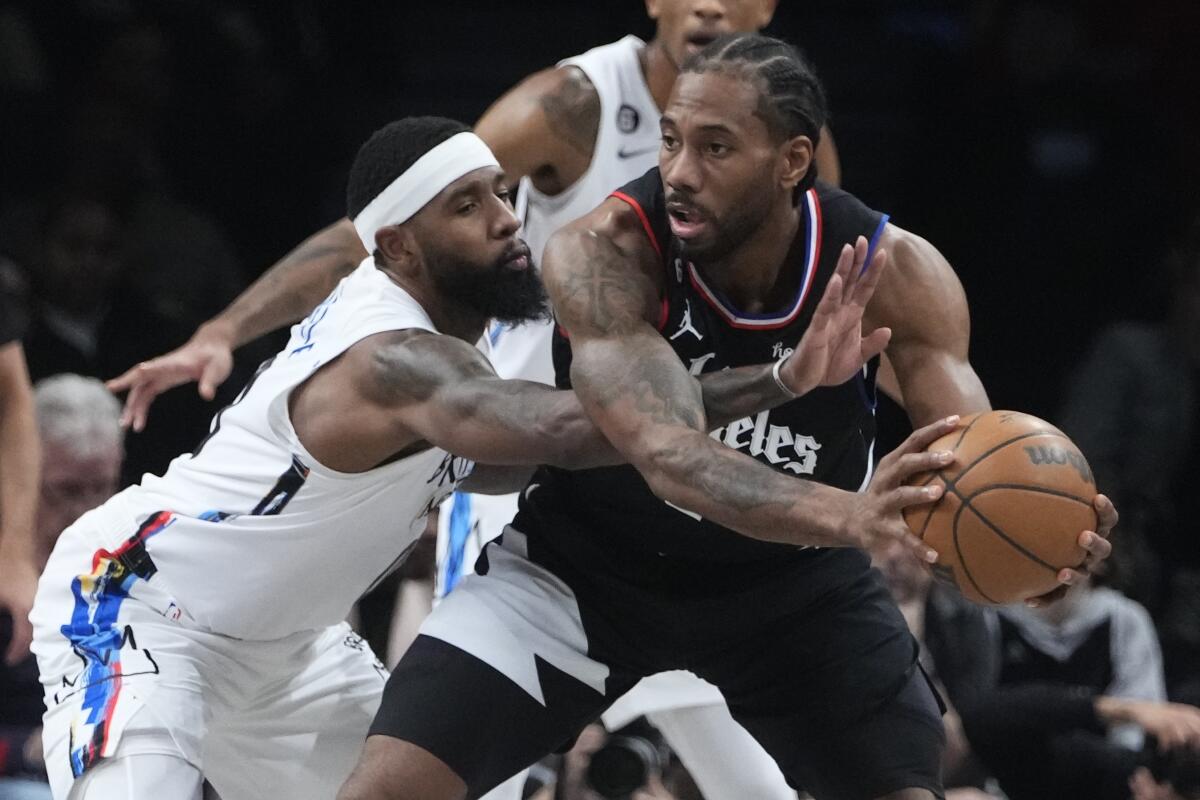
x,y
826,435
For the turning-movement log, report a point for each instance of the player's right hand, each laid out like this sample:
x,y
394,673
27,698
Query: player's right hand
x,y
206,358
877,519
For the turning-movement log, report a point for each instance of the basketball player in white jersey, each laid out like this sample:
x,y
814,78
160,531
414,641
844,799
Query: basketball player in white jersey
x,y
571,134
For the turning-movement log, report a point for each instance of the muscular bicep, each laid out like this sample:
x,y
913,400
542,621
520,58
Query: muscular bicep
x,y
923,302
604,277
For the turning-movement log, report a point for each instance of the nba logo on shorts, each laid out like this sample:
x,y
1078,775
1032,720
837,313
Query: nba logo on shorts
x,y
627,119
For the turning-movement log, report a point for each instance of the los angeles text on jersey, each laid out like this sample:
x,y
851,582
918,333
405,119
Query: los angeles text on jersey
x,y
777,445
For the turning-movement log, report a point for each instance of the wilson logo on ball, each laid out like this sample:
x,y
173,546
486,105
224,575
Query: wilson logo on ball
x,y
1057,455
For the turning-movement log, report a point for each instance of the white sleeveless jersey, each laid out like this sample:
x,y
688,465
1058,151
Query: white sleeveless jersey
x,y
263,540
626,146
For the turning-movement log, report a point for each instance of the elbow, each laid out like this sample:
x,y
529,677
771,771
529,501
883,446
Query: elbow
x,y
661,467
568,440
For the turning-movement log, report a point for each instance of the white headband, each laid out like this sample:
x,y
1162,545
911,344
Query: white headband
x,y
420,183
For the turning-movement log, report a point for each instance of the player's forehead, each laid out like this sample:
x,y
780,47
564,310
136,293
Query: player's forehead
x,y
713,100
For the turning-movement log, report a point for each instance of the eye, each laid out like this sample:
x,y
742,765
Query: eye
x,y
505,194
669,142
466,208
718,149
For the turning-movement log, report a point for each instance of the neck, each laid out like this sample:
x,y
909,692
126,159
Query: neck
x,y
659,71
753,276
450,318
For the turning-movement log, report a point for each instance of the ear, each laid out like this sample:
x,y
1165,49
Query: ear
x,y
766,12
653,9
398,245
797,158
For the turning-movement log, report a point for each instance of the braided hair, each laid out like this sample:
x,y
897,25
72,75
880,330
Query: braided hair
x,y
790,99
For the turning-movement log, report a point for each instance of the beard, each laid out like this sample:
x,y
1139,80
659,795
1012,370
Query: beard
x,y
728,233
498,291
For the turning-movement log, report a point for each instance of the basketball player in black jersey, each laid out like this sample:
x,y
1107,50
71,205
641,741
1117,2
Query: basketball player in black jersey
x,y
737,556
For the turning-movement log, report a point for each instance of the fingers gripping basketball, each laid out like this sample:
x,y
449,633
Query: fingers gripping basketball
x,y
1016,498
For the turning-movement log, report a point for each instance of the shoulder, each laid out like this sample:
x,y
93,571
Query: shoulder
x,y
556,104
916,271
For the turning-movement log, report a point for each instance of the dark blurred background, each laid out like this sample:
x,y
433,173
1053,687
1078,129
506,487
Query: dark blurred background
x,y
1044,145
155,157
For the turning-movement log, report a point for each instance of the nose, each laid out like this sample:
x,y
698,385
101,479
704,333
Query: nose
x,y
505,222
681,170
710,10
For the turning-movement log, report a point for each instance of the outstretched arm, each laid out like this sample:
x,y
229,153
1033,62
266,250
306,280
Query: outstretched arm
x,y
284,294
599,272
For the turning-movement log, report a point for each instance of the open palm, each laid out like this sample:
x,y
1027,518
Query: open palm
x,y
834,348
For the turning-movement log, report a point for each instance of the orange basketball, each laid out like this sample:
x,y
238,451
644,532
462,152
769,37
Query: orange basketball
x,y
1017,496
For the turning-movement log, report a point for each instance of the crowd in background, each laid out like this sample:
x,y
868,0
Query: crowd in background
x,y
156,157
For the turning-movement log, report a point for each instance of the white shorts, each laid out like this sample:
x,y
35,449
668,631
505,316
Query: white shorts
x,y
126,672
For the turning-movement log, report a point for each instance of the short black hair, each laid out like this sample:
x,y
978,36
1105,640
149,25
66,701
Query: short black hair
x,y
389,152
791,98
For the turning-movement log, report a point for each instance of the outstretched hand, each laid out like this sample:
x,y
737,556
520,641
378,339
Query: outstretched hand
x,y
833,347
206,358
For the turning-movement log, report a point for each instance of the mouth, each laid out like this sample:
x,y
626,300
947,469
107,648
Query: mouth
x,y
686,221
698,40
518,259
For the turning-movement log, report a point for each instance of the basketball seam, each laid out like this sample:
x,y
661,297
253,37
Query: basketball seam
x,y
1017,545
1026,488
962,561
963,434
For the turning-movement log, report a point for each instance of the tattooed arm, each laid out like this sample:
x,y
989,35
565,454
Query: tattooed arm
x,y
394,390
603,278
284,294
545,127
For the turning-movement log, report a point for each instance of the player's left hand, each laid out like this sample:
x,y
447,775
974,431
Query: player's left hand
x,y
1096,544
833,347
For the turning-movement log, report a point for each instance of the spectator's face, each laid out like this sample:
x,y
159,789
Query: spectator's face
x,y
906,577
72,484
82,260
686,26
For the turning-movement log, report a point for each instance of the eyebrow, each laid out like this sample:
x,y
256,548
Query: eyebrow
x,y
712,127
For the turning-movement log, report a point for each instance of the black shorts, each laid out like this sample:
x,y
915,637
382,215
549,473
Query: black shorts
x,y
812,656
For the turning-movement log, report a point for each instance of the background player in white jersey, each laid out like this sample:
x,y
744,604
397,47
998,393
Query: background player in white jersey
x,y
571,134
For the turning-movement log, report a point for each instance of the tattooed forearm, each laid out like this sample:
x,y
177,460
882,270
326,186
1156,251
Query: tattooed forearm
x,y
295,284
732,394
573,112
703,476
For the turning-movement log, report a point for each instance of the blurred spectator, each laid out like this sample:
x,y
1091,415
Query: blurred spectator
x,y
628,764
77,423
92,315
1078,682
1133,406
956,651
19,465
